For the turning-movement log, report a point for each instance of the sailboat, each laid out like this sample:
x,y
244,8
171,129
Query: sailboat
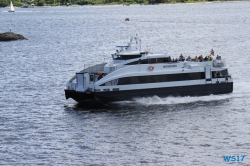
x,y
12,9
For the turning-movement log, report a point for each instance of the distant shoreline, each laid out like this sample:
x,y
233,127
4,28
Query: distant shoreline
x,y
128,4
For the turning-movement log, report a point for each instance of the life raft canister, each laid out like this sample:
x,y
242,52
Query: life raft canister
x,y
151,68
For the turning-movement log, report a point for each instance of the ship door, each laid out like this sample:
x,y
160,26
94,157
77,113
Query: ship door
x,y
80,82
208,74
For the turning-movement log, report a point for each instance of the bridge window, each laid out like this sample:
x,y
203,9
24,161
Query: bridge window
x,y
125,57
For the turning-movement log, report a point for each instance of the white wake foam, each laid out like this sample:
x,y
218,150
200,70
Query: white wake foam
x,y
240,90
155,100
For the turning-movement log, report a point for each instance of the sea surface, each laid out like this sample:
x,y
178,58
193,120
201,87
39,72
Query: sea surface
x,y
38,126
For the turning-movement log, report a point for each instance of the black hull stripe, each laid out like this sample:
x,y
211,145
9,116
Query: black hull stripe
x,y
193,90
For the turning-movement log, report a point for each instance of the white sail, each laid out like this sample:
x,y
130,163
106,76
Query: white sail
x,y
11,7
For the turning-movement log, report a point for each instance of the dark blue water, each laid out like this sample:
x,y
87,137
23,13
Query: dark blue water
x,y
39,126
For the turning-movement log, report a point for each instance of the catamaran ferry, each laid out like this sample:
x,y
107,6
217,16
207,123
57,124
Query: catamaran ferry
x,y
133,73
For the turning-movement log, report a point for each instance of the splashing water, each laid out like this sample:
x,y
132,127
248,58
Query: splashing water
x,y
240,90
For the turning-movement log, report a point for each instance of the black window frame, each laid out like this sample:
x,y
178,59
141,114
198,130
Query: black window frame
x,y
160,78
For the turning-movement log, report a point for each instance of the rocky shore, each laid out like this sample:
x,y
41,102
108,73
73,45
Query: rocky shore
x,y
8,36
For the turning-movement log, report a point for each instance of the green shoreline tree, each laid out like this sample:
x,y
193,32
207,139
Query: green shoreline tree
x,y
5,3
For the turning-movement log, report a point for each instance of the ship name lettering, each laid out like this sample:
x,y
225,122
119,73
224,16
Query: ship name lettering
x,y
167,66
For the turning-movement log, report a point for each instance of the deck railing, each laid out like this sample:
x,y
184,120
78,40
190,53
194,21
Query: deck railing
x,y
89,68
92,69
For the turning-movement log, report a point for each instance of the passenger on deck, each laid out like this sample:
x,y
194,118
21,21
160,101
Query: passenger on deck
x,y
181,58
196,59
99,76
205,59
217,74
209,58
168,59
200,58
218,57
188,58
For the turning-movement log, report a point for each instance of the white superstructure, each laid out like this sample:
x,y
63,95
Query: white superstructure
x,y
135,73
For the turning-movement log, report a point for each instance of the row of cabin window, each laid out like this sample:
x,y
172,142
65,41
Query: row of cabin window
x,y
160,78
148,61
165,78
